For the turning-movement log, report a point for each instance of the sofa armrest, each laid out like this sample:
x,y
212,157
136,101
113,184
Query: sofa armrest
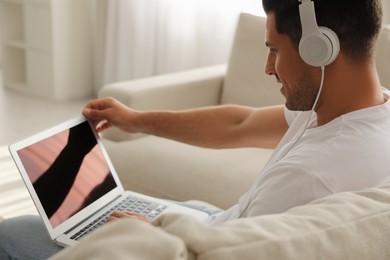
x,y
179,90
174,91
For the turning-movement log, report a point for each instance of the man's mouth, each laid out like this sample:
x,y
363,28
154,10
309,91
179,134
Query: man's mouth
x,y
277,78
283,90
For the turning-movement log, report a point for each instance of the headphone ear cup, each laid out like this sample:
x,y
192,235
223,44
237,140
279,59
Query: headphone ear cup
x,y
334,41
319,49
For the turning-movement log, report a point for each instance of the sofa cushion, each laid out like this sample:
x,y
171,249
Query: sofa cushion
x,y
245,72
171,170
348,225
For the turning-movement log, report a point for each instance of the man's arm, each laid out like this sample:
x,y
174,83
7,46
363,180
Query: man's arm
x,y
226,126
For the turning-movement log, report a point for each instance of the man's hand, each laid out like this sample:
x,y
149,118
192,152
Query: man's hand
x,y
108,112
123,215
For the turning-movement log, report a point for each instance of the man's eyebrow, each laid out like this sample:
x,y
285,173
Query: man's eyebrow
x,y
268,44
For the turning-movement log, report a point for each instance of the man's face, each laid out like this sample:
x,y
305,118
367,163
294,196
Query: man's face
x,y
298,86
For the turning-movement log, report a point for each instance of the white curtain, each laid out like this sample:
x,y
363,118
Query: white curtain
x,y
140,38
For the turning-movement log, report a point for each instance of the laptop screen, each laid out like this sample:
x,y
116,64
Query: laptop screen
x,y
68,171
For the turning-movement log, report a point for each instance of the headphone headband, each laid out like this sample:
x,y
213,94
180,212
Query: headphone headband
x,y
319,46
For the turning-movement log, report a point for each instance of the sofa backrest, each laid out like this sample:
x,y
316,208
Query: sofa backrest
x,y
382,56
246,82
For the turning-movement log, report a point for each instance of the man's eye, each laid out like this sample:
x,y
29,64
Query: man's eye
x,y
272,50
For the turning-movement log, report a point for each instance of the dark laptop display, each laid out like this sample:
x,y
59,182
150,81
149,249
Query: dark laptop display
x,y
68,172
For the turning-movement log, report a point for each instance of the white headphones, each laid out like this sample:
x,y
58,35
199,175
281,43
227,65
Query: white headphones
x,y
319,46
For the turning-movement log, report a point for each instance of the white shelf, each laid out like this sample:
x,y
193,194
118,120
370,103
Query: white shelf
x,y
15,44
12,21
14,67
14,1
46,47
38,27
37,2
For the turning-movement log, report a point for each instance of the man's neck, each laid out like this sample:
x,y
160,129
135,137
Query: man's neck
x,y
348,88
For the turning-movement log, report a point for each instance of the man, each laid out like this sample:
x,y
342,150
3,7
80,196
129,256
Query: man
x,y
342,146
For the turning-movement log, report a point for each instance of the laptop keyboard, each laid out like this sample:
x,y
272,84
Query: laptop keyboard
x,y
129,204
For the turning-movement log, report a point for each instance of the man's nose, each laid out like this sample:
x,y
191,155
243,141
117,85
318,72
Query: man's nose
x,y
269,67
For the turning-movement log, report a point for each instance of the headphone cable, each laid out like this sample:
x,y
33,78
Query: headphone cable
x,y
303,131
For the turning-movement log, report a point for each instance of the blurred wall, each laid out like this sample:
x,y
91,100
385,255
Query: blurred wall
x,y
386,11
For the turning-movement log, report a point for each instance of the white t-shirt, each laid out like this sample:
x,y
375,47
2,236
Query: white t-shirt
x,y
349,153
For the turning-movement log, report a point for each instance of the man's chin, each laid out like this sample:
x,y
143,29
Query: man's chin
x,y
295,108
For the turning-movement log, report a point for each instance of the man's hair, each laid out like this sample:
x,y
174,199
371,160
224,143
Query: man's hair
x,y
356,22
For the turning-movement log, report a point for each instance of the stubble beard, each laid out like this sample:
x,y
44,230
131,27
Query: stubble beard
x,y
302,95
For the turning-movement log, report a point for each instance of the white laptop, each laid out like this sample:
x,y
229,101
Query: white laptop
x,y
74,185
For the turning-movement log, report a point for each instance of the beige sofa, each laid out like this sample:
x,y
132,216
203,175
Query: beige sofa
x,y
176,171
348,225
